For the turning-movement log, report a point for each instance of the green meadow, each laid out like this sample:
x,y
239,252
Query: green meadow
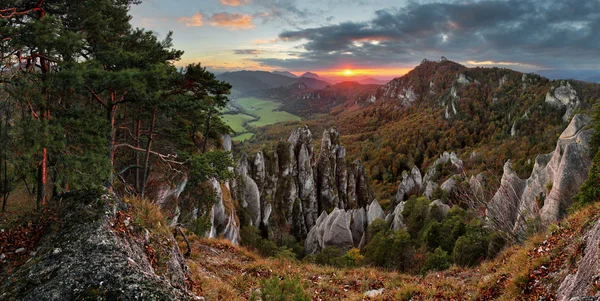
x,y
265,112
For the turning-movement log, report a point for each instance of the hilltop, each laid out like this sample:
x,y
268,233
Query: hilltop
x,y
485,115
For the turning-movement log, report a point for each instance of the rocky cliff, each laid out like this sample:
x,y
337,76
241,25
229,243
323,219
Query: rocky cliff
x,y
548,192
289,186
94,251
221,216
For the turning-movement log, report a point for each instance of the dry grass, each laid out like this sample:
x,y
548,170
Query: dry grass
x,y
222,271
148,215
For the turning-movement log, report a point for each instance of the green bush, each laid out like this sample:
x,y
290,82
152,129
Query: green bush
x,y
415,214
437,261
471,248
330,256
251,238
276,289
590,190
392,250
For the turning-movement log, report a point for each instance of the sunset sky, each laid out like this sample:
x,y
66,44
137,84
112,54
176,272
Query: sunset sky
x,y
379,38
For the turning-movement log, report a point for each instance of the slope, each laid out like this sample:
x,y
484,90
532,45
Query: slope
x,y
535,270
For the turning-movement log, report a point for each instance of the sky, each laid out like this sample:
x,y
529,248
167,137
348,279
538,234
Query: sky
x,y
378,38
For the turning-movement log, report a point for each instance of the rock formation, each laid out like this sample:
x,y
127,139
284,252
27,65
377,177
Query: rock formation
x,y
548,192
563,96
585,278
414,183
222,215
87,259
292,182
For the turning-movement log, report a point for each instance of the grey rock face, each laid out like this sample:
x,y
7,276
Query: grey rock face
x,y
548,192
429,184
563,96
580,283
223,223
374,212
86,255
343,229
396,219
332,176
289,184
410,182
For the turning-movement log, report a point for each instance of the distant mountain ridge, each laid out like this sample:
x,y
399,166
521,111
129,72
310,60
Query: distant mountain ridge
x,y
285,73
310,75
248,82
582,75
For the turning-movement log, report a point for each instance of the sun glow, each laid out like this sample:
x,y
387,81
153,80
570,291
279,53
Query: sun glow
x,y
348,72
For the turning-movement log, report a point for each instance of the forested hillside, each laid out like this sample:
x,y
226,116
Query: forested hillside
x,y
485,115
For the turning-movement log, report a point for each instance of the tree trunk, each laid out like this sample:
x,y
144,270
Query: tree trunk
x,y
206,132
111,138
147,158
138,132
42,179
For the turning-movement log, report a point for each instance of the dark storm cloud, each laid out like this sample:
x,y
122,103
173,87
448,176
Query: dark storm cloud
x,y
552,33
247,51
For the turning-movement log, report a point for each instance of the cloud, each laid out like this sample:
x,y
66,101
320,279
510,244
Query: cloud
x,y
194,21
234,2
263,41
233,21
247,51
526,33
285,11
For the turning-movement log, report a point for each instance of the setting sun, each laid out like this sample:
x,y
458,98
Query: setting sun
x,y
348,72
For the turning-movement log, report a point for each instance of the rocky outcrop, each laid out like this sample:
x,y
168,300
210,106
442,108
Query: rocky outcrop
x,y
224,221
583,281
548,192
222,215
563,96
410,182
86,258
343,229
415,183
295,185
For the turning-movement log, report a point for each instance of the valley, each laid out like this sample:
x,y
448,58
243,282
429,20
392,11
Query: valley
x,y
250,113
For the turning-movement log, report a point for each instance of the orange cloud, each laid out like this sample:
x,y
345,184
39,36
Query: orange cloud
x,y
261,41
233,21
234,2
194,21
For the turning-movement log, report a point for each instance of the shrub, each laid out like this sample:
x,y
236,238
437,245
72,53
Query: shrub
x,y
352,258
330,256
276,289
392,250
437,261
252,239
470,248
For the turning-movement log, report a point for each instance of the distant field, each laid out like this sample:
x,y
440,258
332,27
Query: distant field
x,y
265,110
243,137
236,122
